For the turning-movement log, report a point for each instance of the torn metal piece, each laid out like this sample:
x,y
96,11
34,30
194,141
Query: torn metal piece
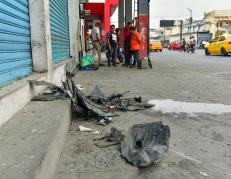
x,y
145,143
48,97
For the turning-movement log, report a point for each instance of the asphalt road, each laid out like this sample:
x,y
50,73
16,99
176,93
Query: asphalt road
x,y
199,143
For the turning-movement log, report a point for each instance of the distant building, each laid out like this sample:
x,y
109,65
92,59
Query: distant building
x,y
214,23
156,33
219,21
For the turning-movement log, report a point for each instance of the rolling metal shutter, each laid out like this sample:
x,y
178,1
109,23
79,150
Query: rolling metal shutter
x,y
15,42
59,21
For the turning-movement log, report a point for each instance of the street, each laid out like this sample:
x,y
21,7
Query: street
x,y
200,143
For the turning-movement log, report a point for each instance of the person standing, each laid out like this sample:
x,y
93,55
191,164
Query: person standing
x,y
112,46
119,53
96,41
127,39
135,45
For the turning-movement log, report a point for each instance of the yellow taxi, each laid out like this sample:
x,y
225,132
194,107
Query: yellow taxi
x,y
155,45
219,45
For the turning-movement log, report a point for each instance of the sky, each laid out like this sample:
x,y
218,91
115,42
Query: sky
x,y
177,9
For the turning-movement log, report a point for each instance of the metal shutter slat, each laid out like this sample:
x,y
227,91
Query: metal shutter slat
x,y
59,22
15,46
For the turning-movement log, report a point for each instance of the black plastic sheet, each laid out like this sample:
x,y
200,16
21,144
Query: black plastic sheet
x,y
145,143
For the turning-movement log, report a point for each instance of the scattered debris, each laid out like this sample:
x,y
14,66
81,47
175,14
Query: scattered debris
x,y
97,104
204,174
145,143
96,132
52,93
84,129
113,138
142,146
103,120
79,86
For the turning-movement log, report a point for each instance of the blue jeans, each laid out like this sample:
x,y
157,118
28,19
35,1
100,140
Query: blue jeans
x,y
136,57
111,55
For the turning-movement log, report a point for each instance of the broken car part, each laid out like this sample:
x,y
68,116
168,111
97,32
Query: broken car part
x,y
145,143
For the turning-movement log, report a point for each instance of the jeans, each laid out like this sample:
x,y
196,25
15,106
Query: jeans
x,y
111,55
136,57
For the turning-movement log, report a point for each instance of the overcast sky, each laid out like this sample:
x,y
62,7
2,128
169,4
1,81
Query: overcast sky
x,y
176,9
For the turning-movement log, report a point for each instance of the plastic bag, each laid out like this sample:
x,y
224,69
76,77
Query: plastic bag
x,y
87,60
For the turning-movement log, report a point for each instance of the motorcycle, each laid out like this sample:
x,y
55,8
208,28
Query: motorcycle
x,y
191,48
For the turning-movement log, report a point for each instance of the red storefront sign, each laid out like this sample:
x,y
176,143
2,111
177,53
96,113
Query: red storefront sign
x,y
143,30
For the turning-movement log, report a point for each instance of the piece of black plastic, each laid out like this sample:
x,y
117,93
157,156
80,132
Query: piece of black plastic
x,y
145,143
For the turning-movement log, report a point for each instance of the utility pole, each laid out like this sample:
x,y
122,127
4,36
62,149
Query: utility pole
x,y
181,30
190,21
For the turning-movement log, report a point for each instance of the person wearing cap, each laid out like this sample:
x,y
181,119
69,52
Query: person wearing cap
x,y
96,41
135,45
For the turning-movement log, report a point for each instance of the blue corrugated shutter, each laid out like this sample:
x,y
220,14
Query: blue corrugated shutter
x,y
15,44
59,21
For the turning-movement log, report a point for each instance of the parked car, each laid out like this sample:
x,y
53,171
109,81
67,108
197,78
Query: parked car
x,y
155,45
220,45
174,46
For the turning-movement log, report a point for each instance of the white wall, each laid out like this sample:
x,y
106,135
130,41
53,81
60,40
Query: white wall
x,y
15,96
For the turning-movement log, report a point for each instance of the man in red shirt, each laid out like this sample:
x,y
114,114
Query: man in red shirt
x,y
135,45
127,39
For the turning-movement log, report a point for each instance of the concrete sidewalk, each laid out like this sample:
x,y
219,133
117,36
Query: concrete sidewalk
x,y
32,140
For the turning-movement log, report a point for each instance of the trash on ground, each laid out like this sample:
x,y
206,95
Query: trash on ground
x,y
96,105
103,120
113,138
96,132
86,63
204,174
84,129
79,86
145,143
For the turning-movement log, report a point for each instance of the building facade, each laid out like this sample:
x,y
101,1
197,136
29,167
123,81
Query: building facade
x,y
100,11
38,41
214,23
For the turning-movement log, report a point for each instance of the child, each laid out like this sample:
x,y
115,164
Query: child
x,y
112,46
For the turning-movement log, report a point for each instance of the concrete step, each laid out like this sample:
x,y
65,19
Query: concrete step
x,y
32,140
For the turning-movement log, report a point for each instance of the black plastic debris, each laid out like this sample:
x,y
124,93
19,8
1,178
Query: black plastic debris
x,y
145,143
104,120
113,138
97,104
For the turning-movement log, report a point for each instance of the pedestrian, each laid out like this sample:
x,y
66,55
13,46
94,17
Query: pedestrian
x,y
96,41
135,45
119,53
127,40
112,46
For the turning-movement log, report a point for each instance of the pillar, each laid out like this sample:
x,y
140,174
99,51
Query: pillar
x,y
40,35
121,14
128,10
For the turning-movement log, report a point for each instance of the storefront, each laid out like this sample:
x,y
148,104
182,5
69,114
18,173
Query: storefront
x,y
100,11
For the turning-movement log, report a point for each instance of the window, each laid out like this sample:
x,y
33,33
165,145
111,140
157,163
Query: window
x,y
215,40
222,38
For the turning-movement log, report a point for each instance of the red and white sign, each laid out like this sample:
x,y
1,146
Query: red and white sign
x,y
143,30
